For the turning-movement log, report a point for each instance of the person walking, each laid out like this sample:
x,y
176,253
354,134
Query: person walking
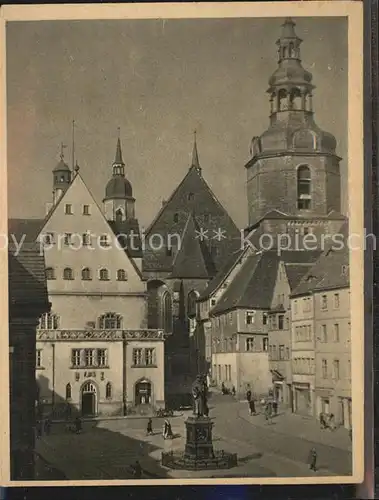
x,y
248,395
312,459
165,429
78,425
137,470
252,407
47,426
268,412
170,434
275,406
233,391
149,429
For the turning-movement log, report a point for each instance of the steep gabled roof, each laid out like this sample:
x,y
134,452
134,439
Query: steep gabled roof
x,y
192,196
27,280
192,259
331,269
295,272
26,230
253,286
222,274
129,236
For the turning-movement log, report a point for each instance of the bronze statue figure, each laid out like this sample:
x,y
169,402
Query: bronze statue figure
x,y
200,397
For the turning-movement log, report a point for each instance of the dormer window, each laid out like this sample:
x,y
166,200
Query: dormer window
x,y
176,217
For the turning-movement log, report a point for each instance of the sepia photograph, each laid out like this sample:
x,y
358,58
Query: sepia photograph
x,y
182,235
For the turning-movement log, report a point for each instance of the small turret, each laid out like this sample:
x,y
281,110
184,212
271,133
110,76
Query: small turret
x,y
61,178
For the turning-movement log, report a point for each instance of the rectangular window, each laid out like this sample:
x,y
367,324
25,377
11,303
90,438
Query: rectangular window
x,y
274,352
86,210
324,366
295,307
48,238
213,302
67,238
281,321
264,318
336,369
250,317
287,353
68,209
336,301
75,357
324,334
265,344
101,357
88,356
86,239
250,344
281,352
231,318
39,358
336,332
324,302
104,240
149,356
137,357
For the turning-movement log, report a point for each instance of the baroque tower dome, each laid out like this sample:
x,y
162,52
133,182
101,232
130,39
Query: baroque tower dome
x,y
292,125
118,200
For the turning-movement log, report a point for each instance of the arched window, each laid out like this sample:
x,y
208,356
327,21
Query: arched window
x,y
49,321
303,188
191,304
110,321
108,391
86,274
167,312
68,273
50,273
119,215
121,275
104,274
290,50
68,391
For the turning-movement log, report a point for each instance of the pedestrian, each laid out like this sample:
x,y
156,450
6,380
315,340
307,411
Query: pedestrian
x,y
248,395
268,412
252,407
39,428
169,434
165,429
149,428
137,470
223,388
78,425
275,406
312,459
233,391
47,426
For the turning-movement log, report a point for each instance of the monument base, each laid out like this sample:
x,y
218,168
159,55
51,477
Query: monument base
x,y
199,453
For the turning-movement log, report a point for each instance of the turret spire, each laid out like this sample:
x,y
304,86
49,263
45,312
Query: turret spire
x,y
195,155
118,158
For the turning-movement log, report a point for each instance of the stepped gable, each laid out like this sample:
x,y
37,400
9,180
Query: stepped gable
x,y
192,196
193,259
331,269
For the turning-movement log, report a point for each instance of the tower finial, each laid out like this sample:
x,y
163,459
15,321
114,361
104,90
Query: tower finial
x,y
62,151
195,155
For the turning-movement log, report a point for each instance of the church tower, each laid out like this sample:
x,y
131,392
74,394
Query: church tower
x,y
294,168
119,202
61,178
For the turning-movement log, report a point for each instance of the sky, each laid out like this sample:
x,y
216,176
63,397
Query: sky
x,y
158,80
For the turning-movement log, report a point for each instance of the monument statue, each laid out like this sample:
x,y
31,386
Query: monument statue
x,y
200,397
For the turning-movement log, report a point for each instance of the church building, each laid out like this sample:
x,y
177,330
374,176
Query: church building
x,y
198,236
294,196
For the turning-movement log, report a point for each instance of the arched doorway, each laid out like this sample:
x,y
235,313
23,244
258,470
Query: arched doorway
x,y
142,392
89,399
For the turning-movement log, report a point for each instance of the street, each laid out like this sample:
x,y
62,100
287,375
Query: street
x,y
108,448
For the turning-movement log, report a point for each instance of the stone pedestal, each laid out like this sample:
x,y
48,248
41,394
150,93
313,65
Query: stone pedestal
x,y
199,438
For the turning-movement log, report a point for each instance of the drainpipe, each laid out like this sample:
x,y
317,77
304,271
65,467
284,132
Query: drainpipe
x,y
124,388
53,381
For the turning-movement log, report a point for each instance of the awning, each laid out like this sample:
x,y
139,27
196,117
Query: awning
x,y
277,376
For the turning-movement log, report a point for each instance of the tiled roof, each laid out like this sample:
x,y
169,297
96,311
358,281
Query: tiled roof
x,y
221,275
192,196
295,272
330,271
25,230
129,236
27,280
193,259
253,285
